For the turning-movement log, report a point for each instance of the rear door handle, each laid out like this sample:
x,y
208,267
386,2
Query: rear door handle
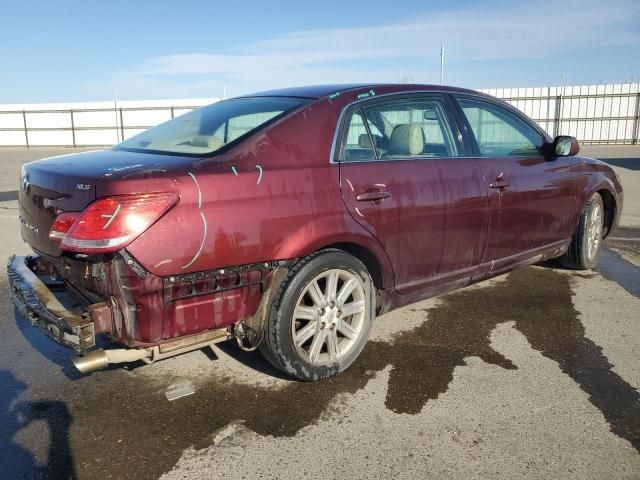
x,y
501,185
372,196
499,182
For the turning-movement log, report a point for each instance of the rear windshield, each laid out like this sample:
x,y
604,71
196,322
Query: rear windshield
x,y
207,129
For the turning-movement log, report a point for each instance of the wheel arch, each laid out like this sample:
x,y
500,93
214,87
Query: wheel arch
x,y
610,209
367,257
345,235
611,193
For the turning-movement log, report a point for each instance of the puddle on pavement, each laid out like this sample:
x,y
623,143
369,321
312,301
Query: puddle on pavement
x,y
556,331
124,427
539,302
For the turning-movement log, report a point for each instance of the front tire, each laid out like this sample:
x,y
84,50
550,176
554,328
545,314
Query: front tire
x,y
586,242
321,317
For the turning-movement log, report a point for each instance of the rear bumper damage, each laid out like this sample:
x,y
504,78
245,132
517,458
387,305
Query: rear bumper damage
x,y
34,299
32,289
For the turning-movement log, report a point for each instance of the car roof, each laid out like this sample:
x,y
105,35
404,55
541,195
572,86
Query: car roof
x,y
319,91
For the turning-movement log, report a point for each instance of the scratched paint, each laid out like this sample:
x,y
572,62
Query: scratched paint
x,y
126,167
199,191
235,172
350,184
204,236
204,224
163,262
111,217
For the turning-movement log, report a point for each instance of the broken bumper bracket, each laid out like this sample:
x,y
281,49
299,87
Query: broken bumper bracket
x,y
35,301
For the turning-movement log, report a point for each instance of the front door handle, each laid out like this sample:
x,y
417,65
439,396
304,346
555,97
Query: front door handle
x,y
375,196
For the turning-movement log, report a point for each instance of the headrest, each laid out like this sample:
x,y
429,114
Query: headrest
x,y
206,141
406,139
364,141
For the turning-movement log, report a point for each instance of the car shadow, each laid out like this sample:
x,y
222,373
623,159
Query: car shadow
x,y
8,196
611,265
60,355
629,163
15,416
253,360
46,347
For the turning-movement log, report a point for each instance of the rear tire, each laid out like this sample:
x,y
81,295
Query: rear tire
x,y
586,242
321,317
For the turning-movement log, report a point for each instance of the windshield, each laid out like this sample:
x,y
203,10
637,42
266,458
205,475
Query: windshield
x,y
207,129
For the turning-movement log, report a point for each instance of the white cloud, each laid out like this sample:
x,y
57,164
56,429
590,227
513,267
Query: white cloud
x,y
392,51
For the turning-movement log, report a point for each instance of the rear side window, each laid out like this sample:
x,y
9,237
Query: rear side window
x,y
499,132
357,143
210,128
399,129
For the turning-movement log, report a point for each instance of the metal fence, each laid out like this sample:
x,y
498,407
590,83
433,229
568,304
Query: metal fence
x,y
595,114
92,126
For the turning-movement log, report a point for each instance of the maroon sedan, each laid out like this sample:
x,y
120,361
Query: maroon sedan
x,y
289,219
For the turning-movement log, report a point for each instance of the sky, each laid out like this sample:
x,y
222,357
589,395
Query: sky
x,y
68,50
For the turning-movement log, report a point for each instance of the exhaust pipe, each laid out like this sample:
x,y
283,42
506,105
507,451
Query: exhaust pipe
x,y
100,358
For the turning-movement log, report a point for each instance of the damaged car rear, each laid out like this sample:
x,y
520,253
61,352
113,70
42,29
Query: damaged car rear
x,y
288,220
139,237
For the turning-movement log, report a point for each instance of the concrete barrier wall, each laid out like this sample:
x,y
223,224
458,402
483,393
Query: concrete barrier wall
x,y
595,114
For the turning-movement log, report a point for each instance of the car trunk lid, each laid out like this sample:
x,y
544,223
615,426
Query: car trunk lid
x,y
71,182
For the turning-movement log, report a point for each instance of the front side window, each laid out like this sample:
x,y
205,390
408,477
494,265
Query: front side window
x,y
499,132
399,129
207,129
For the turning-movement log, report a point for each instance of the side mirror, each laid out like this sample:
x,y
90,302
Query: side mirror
x,y
565,146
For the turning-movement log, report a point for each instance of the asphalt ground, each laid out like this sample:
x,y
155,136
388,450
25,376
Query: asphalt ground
x,y
534,374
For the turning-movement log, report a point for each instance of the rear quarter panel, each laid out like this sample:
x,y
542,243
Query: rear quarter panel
x,y
275,196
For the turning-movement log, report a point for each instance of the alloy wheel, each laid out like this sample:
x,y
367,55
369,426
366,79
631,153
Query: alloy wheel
x,y
594,235
329,316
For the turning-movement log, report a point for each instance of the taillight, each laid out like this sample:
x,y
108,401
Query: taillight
x,y
62,225
111,223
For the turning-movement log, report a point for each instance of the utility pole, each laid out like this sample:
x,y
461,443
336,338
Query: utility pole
x,y
115,111
442,64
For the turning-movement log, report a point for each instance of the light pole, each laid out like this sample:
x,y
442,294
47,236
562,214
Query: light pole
x,y
442,64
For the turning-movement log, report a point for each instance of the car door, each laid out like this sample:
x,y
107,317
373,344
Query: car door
x,y
406,178
531,197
